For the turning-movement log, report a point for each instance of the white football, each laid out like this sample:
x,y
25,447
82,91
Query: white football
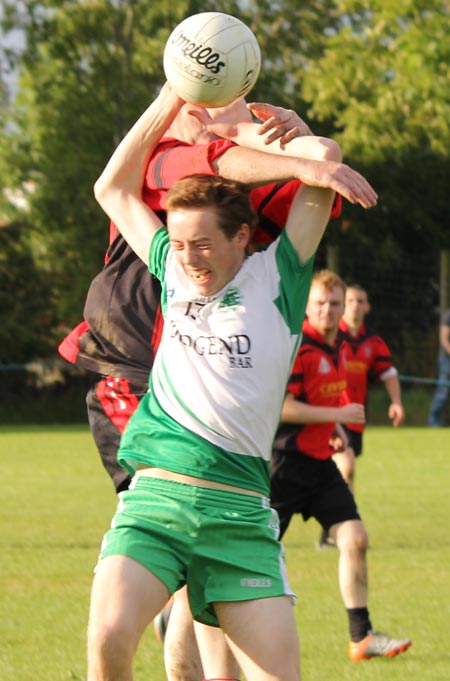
x,y
211,59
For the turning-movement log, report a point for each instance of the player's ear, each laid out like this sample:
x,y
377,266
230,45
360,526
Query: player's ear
x,y
243,235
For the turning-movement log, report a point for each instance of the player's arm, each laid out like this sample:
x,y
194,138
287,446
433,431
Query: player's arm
x,y
339,439
392,384
444,337
310,210
303,150
253,166
283,132
119,188
278,123
296,411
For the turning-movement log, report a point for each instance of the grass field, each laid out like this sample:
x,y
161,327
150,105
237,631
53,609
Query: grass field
x,y
58,501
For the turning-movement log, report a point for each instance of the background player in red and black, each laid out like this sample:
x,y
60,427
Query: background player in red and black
x,y
305,479
366,359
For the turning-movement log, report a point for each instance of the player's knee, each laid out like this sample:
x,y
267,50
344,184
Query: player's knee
x,y
360,539
352,537
109,644
348,471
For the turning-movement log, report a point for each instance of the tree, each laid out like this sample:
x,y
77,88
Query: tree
x,y
376,78
383,84
81,80
384,79
85,71
27,324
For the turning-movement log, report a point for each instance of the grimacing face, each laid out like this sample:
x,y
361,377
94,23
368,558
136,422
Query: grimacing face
x,y
207,256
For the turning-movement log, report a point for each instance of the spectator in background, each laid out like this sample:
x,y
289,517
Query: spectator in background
x,y
366,358
441,394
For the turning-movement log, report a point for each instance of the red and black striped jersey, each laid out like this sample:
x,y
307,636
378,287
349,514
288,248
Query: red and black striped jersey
x,y
317,379
122,319
365,358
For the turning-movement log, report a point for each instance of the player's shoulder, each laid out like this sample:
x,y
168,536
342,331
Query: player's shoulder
x,y
312,349
366,332
372,334
306,345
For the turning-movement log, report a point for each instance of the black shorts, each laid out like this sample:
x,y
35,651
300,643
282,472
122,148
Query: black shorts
x,y
312,487
110,403
355,440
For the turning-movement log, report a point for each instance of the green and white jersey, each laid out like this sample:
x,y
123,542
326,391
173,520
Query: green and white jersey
x,y
220,373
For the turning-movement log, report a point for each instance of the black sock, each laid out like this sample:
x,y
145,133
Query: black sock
x,y
359,623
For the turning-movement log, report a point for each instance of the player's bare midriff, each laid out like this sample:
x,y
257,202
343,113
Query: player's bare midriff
x,y
163,474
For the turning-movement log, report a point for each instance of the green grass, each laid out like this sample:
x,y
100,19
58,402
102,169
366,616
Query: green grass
x,y
57,501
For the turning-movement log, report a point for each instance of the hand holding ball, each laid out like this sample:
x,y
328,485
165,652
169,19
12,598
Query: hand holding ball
x,y
211,59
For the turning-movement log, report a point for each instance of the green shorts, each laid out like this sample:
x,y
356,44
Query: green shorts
x,y
223,545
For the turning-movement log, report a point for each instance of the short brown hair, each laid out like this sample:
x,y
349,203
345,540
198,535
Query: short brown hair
x,y
358,287
329,280
230,199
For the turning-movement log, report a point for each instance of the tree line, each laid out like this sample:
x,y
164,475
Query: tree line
x,y
372,75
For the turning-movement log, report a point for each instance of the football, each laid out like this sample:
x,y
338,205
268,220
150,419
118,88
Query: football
x,y
211,59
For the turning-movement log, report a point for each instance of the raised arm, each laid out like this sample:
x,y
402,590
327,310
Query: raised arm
x,y
310,210
313,160
282,133
119,188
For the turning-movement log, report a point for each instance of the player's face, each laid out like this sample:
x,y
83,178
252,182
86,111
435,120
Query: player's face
x,y
356,306
207,256
325,308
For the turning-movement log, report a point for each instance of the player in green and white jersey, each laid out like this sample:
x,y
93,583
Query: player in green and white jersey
x,y
197,511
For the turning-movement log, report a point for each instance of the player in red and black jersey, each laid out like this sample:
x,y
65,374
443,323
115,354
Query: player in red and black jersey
x,y
317,380
366,358
304,477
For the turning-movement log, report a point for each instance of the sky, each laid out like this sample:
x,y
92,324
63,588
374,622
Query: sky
x,y
12,40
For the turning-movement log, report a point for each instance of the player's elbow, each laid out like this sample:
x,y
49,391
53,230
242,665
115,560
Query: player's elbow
x,y
330,150
105,194
101,191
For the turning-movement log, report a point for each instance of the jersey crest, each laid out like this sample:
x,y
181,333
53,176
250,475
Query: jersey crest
x,y
324,366
232,298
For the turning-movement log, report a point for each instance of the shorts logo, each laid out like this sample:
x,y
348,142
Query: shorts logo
x,y
258,583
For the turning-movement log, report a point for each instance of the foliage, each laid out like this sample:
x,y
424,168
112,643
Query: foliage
x,y
85,72
383,84
384,79
26,317
291,34
86,69
374,78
